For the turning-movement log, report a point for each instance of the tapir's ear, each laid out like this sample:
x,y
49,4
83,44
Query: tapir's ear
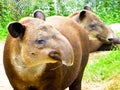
x,y
82,15
16,29
87,8
39,14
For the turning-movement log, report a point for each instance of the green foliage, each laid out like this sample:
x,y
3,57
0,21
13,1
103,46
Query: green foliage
x,y
109,11
13,10
5,17
104,68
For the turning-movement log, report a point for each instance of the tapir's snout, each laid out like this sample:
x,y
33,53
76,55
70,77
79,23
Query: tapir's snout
x,y
110,38
55,55
64,55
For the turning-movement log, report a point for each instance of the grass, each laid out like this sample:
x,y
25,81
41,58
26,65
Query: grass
x,y
114,84
104,68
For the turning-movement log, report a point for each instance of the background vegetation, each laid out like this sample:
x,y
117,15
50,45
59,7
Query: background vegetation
x,y
13,10
104,68
108,10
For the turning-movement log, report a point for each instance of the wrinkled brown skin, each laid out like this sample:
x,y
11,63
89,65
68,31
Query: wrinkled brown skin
x,y
29,64
99,34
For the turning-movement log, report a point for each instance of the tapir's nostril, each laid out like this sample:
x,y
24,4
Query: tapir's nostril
x,y
55,55
110,39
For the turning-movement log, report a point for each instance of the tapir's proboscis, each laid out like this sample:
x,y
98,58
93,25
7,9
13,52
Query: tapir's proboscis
x,y
45,54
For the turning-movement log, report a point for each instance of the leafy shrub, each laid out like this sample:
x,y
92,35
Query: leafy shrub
x,y
109,11
13,10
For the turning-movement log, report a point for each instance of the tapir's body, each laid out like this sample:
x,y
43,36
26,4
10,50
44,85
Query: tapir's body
x,y
45,55
66,27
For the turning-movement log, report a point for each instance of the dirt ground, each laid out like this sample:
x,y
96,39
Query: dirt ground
x,y
4,83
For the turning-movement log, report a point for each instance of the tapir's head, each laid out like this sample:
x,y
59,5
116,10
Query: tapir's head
x,y
95,28
40,42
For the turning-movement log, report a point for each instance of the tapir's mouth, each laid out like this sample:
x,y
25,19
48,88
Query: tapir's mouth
x,y
55,55
107,41
102,38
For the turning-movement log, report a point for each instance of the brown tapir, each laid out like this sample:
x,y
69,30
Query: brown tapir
x,y
115,41
98,32
45,55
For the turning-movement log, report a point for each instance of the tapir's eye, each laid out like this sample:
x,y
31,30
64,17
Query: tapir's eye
x,y
41,41
93,27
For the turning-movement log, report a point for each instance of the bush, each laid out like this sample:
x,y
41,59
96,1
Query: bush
x,y
109,11
13,10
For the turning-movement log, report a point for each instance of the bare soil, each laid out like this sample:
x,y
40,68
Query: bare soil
x,y
4,83
89,85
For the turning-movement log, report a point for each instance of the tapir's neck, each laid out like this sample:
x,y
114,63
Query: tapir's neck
x,y
38,75
94,45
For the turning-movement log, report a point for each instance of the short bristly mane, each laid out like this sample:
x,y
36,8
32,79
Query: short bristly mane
x,y
73,14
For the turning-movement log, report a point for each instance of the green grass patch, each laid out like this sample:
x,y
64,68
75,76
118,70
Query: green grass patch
x,y
104,68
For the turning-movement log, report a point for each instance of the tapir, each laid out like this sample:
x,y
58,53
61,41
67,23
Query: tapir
x,y
45,53
99,33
